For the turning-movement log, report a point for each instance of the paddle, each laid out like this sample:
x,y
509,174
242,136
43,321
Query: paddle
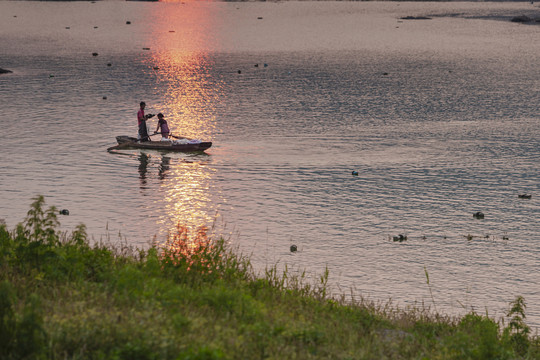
x,y
171,135
180,137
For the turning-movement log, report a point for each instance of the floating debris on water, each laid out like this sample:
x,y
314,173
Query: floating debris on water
x,y
355,173
64,212
400,238
523,19
294,248
415,18
95,54
434,237
524,196
128,22
489,237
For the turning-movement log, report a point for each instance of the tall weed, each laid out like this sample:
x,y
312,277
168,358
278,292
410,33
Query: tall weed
x,y
40,224
517,331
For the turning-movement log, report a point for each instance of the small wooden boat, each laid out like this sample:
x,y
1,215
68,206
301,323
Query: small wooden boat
x,y
189,146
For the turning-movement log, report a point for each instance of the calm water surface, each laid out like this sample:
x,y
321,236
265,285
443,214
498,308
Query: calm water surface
x,y
439,117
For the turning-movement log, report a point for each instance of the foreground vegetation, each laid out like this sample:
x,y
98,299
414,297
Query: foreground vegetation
x,y
194,298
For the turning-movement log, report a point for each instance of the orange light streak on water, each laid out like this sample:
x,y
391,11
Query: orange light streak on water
x,y
182,64
189,103
183,71
188,197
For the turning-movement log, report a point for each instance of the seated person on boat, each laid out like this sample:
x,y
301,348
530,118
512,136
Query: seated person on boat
x,y
163,127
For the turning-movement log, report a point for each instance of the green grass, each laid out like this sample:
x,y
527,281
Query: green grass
x,y
195,298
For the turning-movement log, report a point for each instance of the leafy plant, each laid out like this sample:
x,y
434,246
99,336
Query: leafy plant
x,y
517,330
40,224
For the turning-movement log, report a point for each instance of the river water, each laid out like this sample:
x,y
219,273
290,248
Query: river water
x,y
439,117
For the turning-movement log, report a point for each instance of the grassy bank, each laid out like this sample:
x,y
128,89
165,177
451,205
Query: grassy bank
x,y
194,298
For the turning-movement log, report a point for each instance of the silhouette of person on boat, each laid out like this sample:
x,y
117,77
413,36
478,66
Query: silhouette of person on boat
x,y
141,119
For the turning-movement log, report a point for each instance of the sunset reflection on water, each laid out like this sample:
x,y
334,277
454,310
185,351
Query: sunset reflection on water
x,y
188,201
189,97
189,94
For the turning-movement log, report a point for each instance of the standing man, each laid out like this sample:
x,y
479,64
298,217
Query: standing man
x,y
141,119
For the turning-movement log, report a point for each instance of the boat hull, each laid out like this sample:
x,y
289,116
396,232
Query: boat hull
x,y
131,142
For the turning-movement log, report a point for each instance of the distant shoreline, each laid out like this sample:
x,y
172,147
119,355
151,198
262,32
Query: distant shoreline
x,y
247,1
528,17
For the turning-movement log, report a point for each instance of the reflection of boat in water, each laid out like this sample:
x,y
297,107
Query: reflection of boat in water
x,y
143,168
144,162
188,146
164,166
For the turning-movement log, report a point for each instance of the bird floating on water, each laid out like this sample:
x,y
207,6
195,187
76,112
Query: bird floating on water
x,y
478,215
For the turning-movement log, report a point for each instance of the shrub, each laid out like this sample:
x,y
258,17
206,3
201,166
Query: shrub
x,y
198,258
21,336
517,331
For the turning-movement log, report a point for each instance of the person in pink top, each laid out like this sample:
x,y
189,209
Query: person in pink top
x,y
162,124
141,119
